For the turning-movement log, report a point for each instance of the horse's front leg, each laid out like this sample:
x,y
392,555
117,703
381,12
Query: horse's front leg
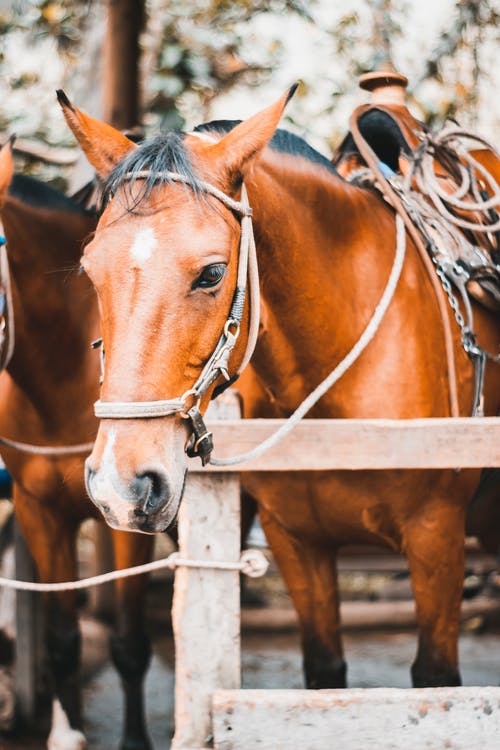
x,y
310,573
434,545
130,646
51,541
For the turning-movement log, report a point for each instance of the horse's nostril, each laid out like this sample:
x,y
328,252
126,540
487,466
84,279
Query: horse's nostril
x,y
89,475
151,490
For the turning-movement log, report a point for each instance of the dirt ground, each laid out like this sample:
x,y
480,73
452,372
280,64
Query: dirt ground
x,y
269,660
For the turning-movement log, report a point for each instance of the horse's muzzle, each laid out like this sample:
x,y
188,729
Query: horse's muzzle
x,y
145,504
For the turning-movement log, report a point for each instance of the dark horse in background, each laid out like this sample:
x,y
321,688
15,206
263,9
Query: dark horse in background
x,y
164,260
46,397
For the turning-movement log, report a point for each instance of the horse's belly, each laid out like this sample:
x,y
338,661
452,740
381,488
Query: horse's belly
x,y
359,507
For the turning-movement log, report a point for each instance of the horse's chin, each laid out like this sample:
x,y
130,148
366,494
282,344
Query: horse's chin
x,y
150,526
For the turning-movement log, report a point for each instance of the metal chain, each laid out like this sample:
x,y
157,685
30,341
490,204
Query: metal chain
x,y
469,339
412,205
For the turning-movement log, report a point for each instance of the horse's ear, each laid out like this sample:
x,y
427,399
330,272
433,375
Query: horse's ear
x,y
236,149
103,145
6,168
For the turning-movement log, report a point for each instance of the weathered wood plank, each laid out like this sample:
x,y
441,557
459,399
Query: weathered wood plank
x,y
362,719
363,615
318,445
206,607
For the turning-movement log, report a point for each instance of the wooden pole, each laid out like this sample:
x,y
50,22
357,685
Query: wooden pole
x,y
121,85
102,598
206,607
27,632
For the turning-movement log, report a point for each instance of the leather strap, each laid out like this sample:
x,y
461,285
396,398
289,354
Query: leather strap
x,y
393,199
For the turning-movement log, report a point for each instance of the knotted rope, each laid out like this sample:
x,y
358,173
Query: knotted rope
x,y
252,563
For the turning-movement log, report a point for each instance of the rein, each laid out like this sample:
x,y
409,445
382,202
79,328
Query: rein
x,y
187,405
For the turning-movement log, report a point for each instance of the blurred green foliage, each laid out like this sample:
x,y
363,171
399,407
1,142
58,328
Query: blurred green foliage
x,y
197,50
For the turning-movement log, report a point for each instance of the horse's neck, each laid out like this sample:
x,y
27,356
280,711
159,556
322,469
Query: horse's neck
x,y
319,277
55,311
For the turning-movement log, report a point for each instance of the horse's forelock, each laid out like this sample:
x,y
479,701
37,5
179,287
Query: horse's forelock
x,y
158,155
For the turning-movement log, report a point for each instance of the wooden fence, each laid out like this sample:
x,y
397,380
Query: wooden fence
x,y
210,708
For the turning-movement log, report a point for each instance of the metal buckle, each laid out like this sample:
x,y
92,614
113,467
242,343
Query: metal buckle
x,y
203,444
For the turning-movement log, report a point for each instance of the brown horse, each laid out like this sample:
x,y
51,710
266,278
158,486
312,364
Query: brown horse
x,y
164,262
46,397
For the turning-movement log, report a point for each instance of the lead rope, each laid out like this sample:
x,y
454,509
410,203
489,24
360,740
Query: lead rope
x,y
47,450
252,563
217,363
363,341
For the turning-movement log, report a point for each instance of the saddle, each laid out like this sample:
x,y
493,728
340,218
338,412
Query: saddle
x,y
389,150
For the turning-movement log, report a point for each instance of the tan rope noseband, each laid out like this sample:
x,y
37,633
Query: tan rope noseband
x,y
187,405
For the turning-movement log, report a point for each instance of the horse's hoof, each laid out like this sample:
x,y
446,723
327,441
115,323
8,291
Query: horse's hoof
x,y
66,739
62,736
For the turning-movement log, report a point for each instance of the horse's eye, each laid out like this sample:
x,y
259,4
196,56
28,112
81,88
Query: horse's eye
x,y
210,276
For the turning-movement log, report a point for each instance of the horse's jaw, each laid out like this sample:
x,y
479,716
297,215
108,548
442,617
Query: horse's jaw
x,y
132,492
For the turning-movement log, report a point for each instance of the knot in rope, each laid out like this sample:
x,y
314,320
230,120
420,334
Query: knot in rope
x,y
254,564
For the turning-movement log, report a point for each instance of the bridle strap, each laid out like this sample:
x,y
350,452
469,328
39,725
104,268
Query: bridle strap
x,y
395,201
138,409
218,362
239,207
7,338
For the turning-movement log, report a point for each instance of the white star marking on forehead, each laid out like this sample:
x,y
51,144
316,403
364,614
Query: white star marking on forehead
x,y
144,244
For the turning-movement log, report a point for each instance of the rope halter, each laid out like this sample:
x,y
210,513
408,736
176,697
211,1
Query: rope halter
x,y
217,364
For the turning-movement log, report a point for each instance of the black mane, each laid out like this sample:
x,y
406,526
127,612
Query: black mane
x,y
166,152
282,141
40,195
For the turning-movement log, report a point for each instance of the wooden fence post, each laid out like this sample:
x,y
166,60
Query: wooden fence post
x,y
102,598
206,607
27,632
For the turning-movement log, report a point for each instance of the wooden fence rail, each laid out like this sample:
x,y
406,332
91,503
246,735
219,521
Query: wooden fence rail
x,y
323,444
206,610
211,710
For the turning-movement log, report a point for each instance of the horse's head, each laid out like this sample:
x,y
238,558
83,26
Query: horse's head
x,y
165,262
